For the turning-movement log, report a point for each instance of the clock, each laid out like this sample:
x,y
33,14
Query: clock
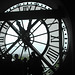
x,y
47,37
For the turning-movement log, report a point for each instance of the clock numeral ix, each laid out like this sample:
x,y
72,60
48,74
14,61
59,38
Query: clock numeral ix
x,y
1,39
52,55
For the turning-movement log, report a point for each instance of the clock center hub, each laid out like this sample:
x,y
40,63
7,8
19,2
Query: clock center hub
x,y
28,36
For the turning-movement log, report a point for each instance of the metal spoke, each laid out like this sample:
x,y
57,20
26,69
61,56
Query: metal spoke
x,y
54,46
21,20
7,44
22,23
39,42
28,51
12,46
13,27
21,53
29,25
52,24
39,35
16,48
36,29
54,30
9,34
32,25
2,25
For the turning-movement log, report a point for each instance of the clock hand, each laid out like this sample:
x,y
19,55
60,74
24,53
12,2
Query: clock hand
x,y
22,30
29,25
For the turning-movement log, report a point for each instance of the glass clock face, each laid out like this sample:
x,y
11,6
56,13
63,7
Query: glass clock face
x,y
42,34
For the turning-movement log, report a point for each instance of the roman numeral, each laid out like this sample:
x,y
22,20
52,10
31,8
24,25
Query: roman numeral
x,y
1,39
54,22
3,49
24,8
54,38
35,7
52,55
0,24
27,8
54,31
5,26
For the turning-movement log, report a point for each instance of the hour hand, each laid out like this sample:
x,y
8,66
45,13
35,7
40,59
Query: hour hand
x,y
22,30
29,25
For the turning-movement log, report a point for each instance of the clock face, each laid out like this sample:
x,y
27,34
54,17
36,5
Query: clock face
x,y
41,36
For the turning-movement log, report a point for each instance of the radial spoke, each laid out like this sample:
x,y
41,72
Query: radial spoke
x,y
36,29
39,42
21,53
21,20
32,25
29,24
7,44
28,51
54,46
16,48
13,27
39,35
38,26
52,24
22,23
9,34
54,30
12,46
2,25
